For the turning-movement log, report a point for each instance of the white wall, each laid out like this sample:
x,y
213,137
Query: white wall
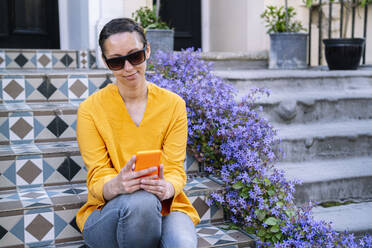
x,y
234,26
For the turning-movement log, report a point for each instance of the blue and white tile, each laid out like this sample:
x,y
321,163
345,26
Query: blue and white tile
x,y
78,87
13,88
39,226
21,127
34,197
2,59
44,59
14,227
29,170
8,174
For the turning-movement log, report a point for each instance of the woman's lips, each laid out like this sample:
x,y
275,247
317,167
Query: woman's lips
x,y
132,76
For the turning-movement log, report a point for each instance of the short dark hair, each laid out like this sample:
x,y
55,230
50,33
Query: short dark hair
x,y
120,25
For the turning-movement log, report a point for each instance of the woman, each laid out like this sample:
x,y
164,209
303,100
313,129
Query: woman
x,y
124,209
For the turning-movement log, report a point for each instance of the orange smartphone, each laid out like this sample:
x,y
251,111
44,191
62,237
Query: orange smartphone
x,y
147,159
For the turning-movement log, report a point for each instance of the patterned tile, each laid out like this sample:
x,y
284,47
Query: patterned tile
x,y
34,197
21,59
59,82
209,235
21,127
64,59
13,88
92,59
58,147
9,200
51,174
41,123
23,149
44,59
4,128
78,87
191,164
83,59
2,59
201,183
206,213
38,226
29,170
34,88
12,230
7,174
62,195
65,225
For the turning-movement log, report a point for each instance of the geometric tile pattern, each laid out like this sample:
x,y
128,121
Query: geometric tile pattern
x,y
36,170
78,87
21,127
209,235
51,87
13,88
46,59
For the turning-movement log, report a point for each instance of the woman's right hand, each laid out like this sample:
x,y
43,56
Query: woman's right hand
x,y
127,181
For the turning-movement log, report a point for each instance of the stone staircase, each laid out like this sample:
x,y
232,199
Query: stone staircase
x,y
42,175
324,119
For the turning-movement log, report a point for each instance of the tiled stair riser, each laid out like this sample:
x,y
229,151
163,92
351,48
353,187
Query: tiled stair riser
x,y
47,59
40,215
50,87
47,164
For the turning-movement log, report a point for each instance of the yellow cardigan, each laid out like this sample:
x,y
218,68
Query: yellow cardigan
x,y
108,137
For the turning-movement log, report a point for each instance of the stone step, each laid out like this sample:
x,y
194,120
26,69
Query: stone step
x,y
355,218
318,141
236,61
297,80
43,215
51,163
51,85
331,180
321,106
46,59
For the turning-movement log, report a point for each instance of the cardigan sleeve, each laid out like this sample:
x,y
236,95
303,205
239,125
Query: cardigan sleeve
x,y
174,152
94,153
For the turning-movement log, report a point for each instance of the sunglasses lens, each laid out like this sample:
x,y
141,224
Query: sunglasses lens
x,y
116,63
137,58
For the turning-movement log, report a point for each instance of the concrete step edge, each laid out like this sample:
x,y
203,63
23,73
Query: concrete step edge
x,y
356,218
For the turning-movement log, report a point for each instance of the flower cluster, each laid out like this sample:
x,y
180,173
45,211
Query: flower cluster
x,y
234,142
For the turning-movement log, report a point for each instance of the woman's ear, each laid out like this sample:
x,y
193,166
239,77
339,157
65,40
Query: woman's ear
x,y
148,50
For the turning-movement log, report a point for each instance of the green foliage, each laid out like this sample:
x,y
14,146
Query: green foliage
x,y
148,19
274,18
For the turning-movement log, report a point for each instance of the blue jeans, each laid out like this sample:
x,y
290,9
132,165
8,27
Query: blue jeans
x,y
134,220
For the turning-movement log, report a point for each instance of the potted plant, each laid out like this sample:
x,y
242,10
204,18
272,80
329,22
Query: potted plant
x,y
288,47
158,33
344,53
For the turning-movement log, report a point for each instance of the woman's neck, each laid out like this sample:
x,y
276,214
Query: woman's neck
x,y
133,94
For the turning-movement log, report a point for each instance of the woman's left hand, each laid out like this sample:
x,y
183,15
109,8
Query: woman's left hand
x,y
159,187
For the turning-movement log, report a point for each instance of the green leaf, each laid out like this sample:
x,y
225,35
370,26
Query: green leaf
x,y
274,229
271,192
271,221
261,233
250,230
280,204
261,214
266,182
238,185
290,213
278,236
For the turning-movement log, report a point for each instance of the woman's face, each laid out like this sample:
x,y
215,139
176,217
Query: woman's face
x,y
122,44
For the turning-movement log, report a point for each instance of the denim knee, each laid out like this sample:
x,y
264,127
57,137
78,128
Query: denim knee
x,y
141,203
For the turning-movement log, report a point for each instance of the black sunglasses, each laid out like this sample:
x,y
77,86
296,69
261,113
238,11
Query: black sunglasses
x,y
134,58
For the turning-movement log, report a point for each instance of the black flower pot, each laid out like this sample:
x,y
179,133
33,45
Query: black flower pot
x,y
343,54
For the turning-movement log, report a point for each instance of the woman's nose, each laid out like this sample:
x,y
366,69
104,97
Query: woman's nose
x,y
127,66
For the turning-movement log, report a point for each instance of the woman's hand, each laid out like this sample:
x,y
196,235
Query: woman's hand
x,y
162,189
127,181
